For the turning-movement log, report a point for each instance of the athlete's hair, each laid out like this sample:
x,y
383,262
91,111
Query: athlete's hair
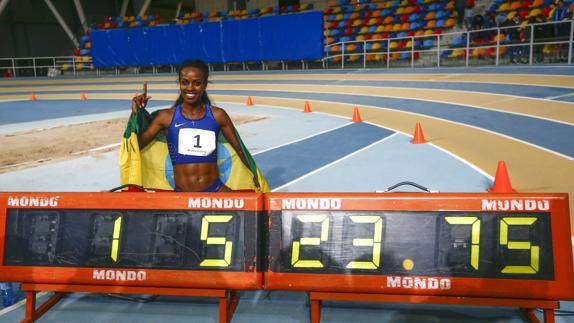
x,y
199,64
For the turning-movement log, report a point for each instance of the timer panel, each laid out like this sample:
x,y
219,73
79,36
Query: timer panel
x,y
440,244
190,240
452,244
133,239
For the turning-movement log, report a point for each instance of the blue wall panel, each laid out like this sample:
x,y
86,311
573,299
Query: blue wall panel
x,y
284,37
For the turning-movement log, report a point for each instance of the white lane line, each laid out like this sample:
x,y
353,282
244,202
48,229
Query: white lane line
x,y
19,304
508,98
473,166
559,96
97,149
301,139
448,121
333,163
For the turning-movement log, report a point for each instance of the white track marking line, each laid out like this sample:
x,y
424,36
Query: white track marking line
x,y
333,163
509,97
448,121
19,304
559,96
97,149
473,166
301,139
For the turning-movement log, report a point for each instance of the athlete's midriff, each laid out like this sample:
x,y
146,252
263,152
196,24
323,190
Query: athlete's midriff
x,y
187,179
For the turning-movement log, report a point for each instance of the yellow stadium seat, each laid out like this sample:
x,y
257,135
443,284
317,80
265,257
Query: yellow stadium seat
x,y
396,27
409,44
400,11
364,30
360,37
372,21
377,45
65,67
381,28
393,45
535,12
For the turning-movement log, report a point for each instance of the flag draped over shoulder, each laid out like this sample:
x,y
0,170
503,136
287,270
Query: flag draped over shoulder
x,y
151,167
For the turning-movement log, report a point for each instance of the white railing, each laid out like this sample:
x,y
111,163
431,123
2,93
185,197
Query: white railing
x,y
532,42
533,39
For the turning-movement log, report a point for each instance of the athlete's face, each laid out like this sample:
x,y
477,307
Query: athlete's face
x,y
192,85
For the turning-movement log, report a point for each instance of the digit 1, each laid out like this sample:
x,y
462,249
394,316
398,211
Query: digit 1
x,y
226,261
197,145
295,261
519,245
475,235
116,238
375,242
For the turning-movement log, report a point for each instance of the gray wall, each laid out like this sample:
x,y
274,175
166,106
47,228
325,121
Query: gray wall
x,y
28,27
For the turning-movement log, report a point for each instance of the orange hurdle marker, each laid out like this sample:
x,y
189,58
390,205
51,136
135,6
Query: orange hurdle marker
x,y
249,101
307,108
501,180
83,96
357,115
419,137
33,97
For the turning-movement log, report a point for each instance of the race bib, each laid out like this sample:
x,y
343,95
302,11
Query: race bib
x,y
196,142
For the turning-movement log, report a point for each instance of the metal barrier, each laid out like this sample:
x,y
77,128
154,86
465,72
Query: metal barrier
x,y
485,46
548,42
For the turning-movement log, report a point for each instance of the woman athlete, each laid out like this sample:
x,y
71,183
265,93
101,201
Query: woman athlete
x,y
191,127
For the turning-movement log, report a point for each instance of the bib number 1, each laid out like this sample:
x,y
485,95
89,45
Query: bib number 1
x,y
196,142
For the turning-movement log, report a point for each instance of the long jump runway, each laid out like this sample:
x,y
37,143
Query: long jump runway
x,y
472,118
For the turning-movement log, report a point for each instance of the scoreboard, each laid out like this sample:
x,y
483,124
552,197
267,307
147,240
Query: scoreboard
x,y
137,239
452,244
489,245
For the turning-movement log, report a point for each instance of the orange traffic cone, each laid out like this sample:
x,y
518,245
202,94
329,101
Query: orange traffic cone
x,y
307,108
249,101
419,137
33,97
356,115
83,96
501,180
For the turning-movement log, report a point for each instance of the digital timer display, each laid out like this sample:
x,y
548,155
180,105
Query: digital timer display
x,y
183,240
159,239
442,244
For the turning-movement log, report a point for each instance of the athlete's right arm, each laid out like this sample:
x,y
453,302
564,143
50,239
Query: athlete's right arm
x,y
161,121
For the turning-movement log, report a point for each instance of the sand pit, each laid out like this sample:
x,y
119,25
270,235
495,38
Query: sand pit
x,y
39,146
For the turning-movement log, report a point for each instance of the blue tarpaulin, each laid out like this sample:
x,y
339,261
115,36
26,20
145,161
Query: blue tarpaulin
x,y
283,37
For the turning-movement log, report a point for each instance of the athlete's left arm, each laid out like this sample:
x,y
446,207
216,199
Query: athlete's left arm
x,y
227,128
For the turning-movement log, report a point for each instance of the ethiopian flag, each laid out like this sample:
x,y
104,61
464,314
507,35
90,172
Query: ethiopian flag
x,y
152,168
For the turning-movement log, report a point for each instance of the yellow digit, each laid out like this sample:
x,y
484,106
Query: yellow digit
x,y
475,235
226,261
116,238
375,242
295,261
519,245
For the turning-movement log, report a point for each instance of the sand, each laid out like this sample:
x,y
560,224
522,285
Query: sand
x,y
26,149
